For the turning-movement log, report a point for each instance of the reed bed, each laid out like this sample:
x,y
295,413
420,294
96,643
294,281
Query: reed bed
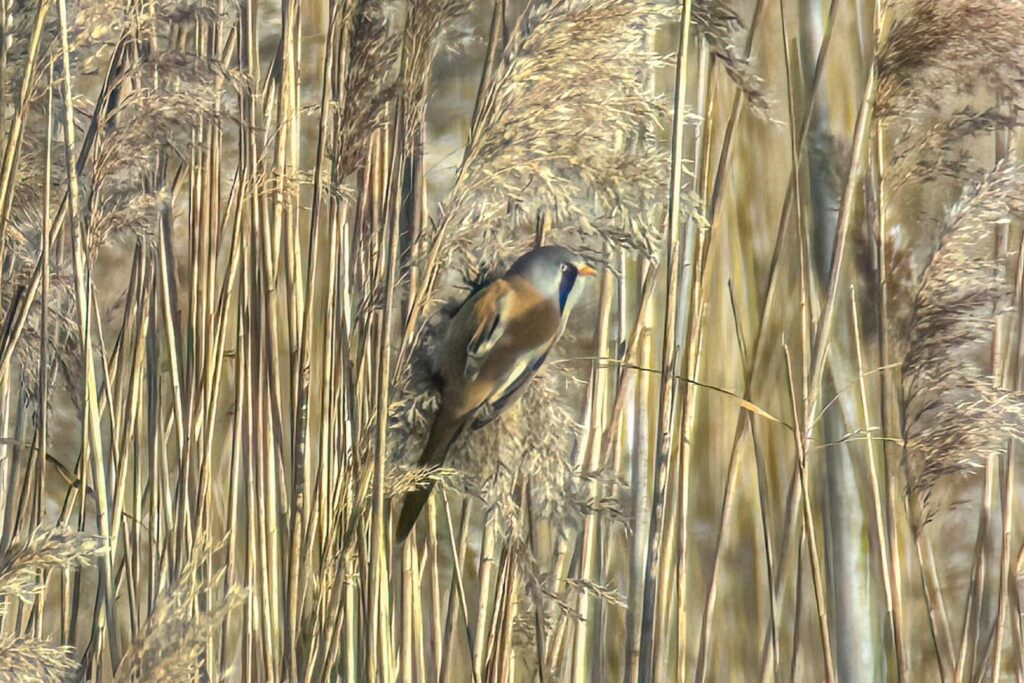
x,y
777,442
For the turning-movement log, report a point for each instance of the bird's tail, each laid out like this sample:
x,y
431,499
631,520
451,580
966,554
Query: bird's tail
x,y
443,432
411,508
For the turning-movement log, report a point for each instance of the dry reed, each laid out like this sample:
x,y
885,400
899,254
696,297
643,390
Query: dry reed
x,y
232,234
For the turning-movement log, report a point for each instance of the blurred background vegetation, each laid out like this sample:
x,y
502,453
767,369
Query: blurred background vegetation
x,y
777,442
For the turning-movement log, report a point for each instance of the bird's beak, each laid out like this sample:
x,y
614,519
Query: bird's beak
x,y
586,270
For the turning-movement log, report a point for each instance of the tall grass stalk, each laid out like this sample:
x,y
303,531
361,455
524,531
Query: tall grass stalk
x,y
670,351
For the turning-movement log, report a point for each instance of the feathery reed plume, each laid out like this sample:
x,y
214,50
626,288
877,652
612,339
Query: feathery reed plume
x,y
924,154
94,24
22,564
172,644
179,11
20,19
43,550
370,82
936,51
722,28
62,330
566,126
164,96
28,660
954,417
176,92
425,25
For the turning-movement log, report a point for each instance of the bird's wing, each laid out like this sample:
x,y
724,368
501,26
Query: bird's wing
x,y
489,325
507,395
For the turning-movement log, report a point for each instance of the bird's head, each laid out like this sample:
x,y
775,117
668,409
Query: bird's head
x,y
555,272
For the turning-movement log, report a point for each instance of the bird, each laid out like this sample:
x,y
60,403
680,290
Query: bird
x,y
494,344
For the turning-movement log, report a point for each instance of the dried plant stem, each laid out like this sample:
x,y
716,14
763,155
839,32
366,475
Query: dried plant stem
x,y
484,572
563,564
809,531
15,330
1009,483
458,587
536,594
380,649
1004,565
600,390
92,432
44,321
302,462
718,187
495,44
669,350
889,576
437,615
760,344
939,622
975,595
814,377
854,177
694,329
14,134
725,523
790,536
797,146
638,488
888,402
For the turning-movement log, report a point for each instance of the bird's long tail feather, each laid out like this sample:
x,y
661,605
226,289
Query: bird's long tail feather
x,y
411,508
442,434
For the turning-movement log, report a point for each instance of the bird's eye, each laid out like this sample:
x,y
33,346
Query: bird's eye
x,y
565,267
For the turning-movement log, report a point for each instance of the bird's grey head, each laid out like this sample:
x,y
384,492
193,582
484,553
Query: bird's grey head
x,y
555,272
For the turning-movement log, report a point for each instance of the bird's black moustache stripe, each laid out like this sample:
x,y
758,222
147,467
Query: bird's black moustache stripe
x,y
568,281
